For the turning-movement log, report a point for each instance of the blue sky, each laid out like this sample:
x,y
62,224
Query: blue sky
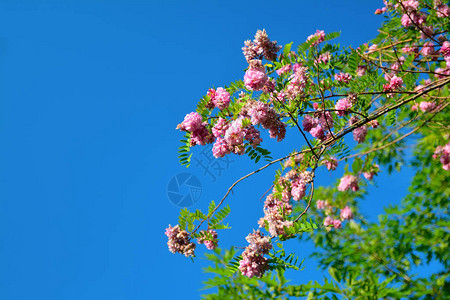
x,y
90,95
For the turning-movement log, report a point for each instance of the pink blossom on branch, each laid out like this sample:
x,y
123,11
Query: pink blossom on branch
x,y
255,77
342,105
443,153
331,163
209,239
348,182
191,122
427,106
220,97
346,213
321,37
343,77
427,49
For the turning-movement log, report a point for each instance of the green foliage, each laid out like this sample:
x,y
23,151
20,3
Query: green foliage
x,y
184,149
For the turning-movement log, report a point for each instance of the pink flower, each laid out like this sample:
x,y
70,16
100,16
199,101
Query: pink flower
x,y
410,5
427,106
317,132
284,69
328,221
331,163
298,191
220,98
201,136
323,58
445,49
443,153
253,262
252,135
337,224
320,204
309,122
255,78
179,241
321,37
325,119
396,82
427,49
235,134
372,48
348,182
343,77
374,124
261,46
378,11
192,122
220,148
410,49
426,32
443,11
406,20
220,127
359,134
342,105
209,239
361,70
369,175
346,213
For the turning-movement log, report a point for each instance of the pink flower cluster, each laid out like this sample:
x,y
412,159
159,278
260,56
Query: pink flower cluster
x,y
359,133
179,241
318,124
442,11
331,163
427,49
410,18
445,50
342,105
284,69
261,46
348,182
199,132
208,238
336,223
410,49
277,208
443,153
426,106
323,58
322,204
275,213
371,172
220,98
346,213
262,114
343,77
230,137
297,81
255,77
395,83
253,262
321,37
361,70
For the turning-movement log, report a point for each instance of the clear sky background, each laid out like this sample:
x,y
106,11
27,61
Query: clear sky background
x,y
90,95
